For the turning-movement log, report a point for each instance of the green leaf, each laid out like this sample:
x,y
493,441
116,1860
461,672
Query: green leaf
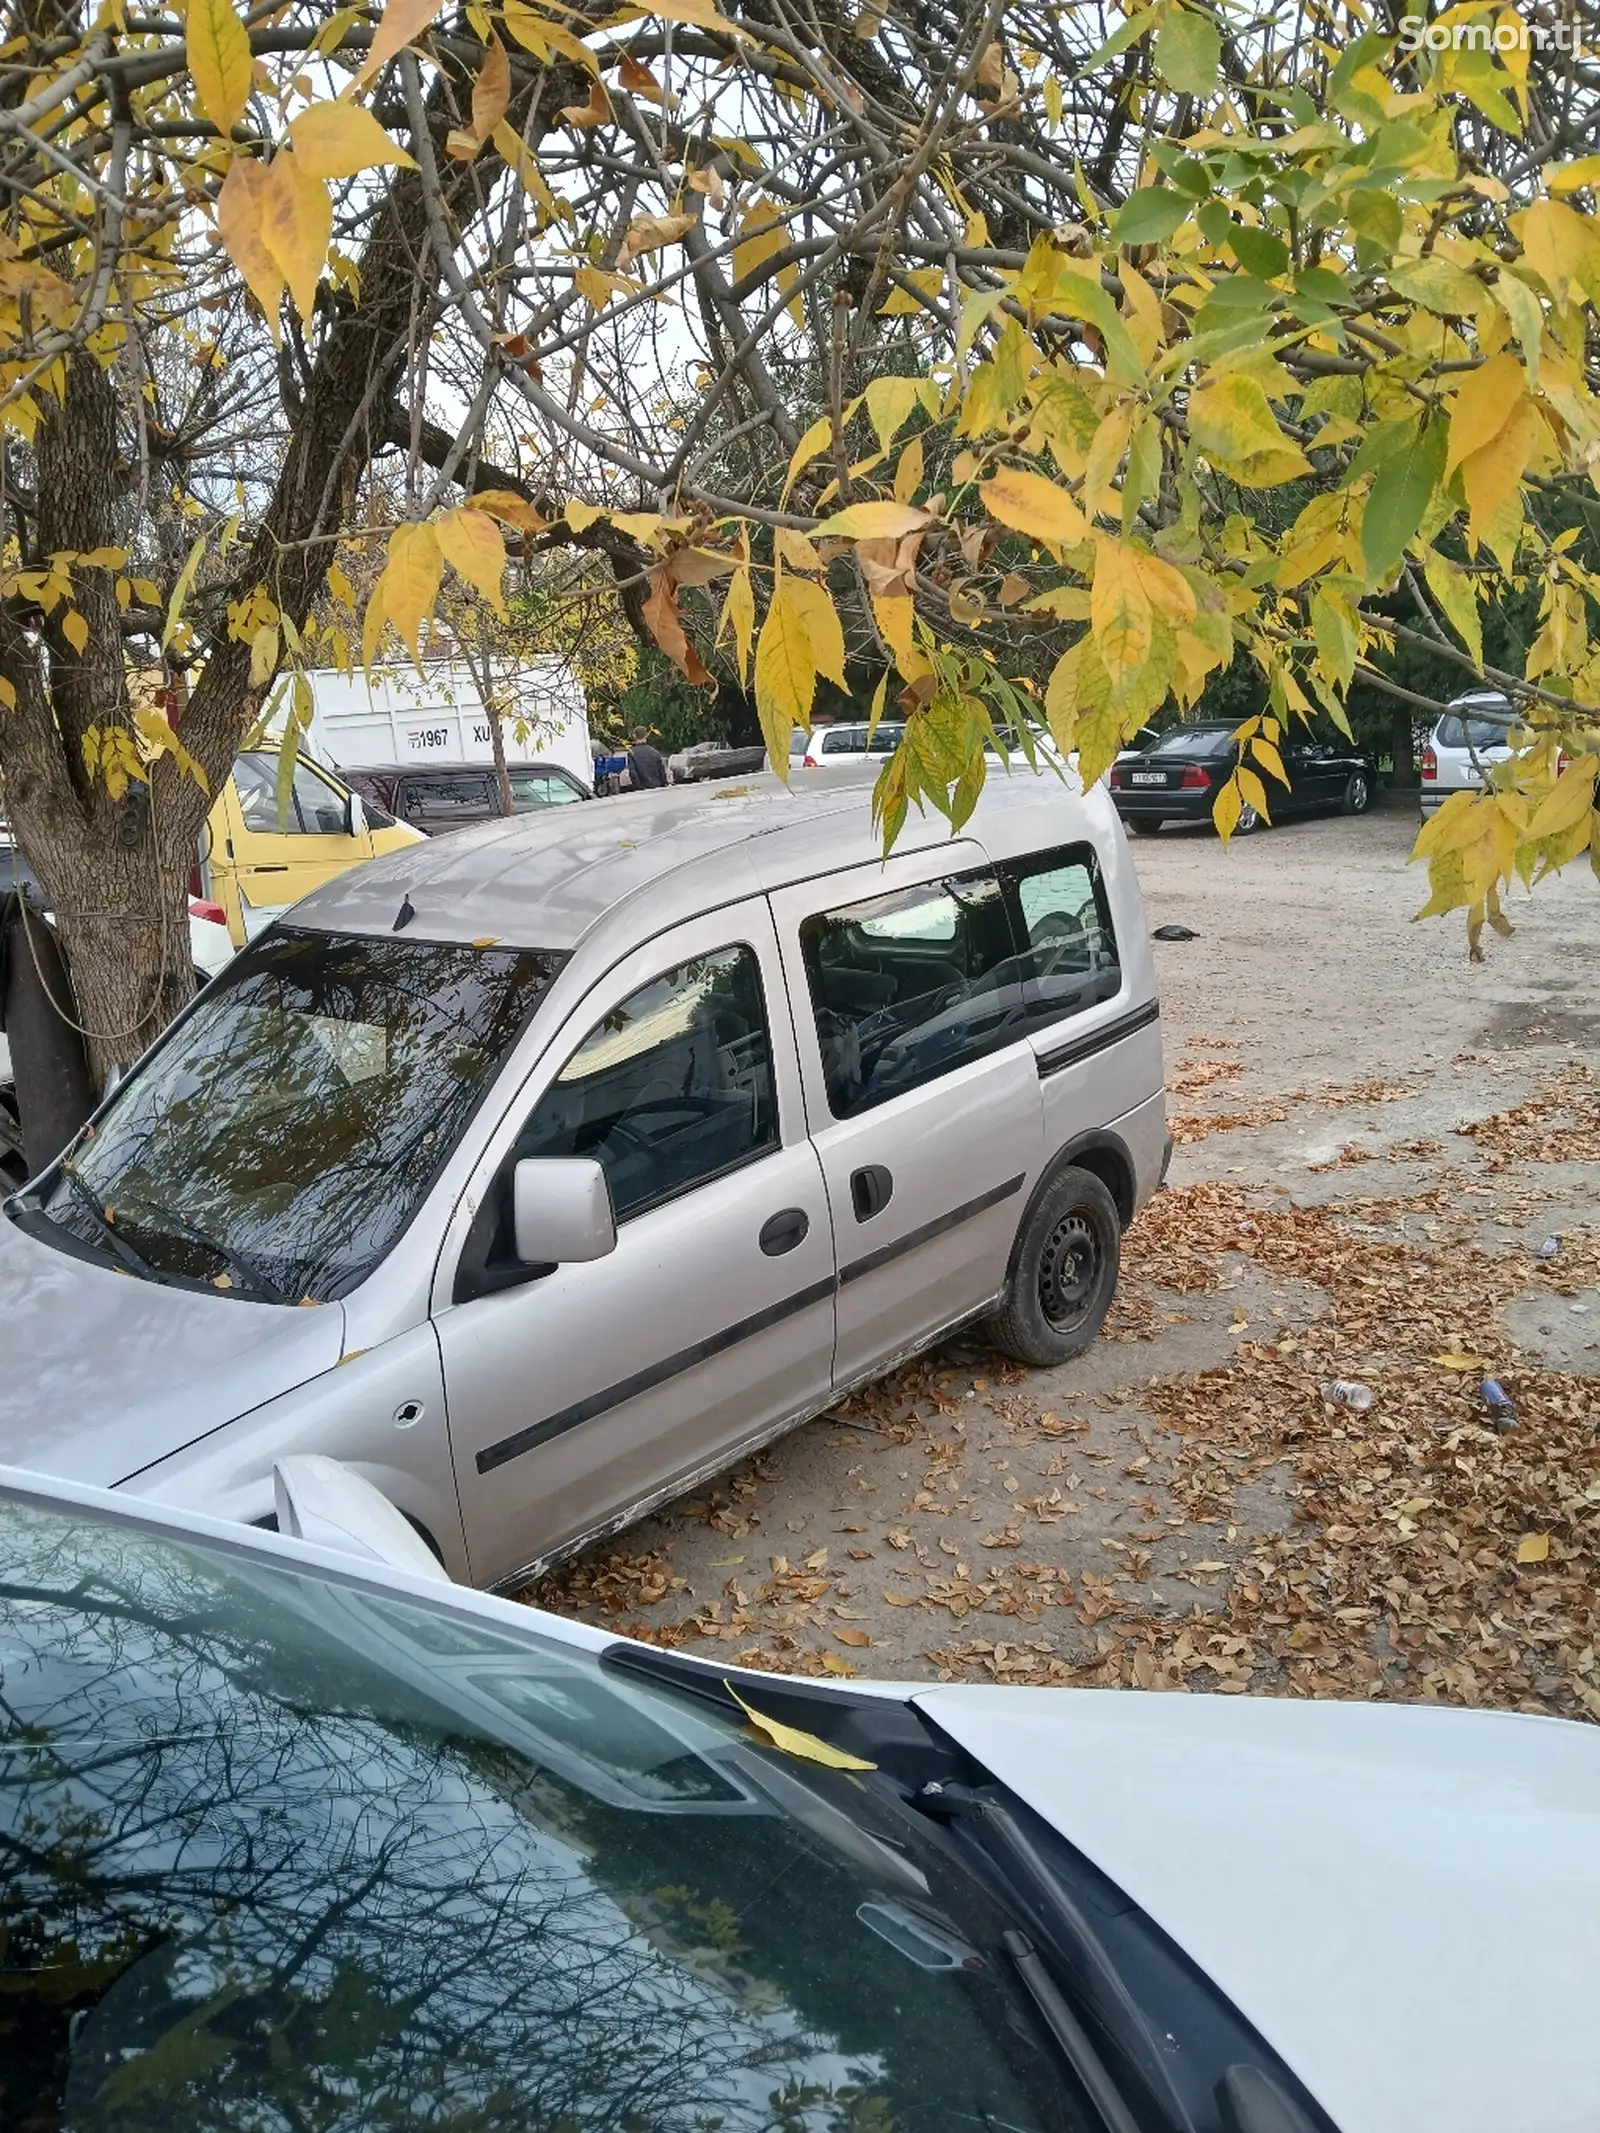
x,y
1119,41
1398,499
1259,252
1458,603
1189,53
1151,216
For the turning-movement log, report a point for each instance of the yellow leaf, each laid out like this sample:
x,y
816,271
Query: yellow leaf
x,y
598,286
517,156
580,516
1533,1548
402,23
1454,1359
793,1742
1119,609
338,140
491,92
596,111
219,61
296,223
1563,249
786,675
816,439
75,630
1232,423
856,1638
1170,592
1575,177
472,545
509,508
1491,475
1030,504
905,299
823,630
739,610
795,549
882,521
1569,800
241,216
698,14
1482,406
893,614
653,233
1227,810
908,472
410,582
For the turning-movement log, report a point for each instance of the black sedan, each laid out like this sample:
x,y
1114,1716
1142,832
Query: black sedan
x,y
1178,779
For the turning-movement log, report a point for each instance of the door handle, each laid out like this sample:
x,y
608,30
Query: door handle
x,y
871,1190
781,1232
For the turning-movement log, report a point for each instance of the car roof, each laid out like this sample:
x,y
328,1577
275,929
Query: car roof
x,y
548,880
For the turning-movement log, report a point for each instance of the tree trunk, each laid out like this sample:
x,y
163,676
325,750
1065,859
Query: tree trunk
x,y
1403,748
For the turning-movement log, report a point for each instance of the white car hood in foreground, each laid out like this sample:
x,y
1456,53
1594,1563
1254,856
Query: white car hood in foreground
x,y
1404,1900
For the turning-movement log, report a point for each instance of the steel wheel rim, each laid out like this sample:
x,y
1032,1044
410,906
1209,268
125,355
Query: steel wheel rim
x,y
1248,818
1069,1271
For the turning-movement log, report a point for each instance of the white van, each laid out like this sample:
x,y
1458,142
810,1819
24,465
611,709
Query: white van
x,y
437,716
542,1171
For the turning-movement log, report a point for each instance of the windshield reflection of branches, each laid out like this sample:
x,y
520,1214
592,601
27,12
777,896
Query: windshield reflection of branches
x,y
250,1128
270,1913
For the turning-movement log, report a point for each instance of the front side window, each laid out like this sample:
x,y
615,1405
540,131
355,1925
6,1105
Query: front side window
x,y
672,1087
280,1139
314,807
912,985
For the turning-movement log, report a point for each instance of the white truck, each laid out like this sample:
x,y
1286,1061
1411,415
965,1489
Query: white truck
x,y
437,716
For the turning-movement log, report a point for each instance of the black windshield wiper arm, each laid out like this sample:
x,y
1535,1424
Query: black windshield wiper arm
x,y
244,1270
1069,2034
132,1259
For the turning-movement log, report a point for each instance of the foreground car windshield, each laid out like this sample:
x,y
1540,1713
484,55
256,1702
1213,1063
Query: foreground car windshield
x,y
283,1852
279,1140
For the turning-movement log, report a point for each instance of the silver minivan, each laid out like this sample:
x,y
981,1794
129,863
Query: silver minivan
x,y
542,1171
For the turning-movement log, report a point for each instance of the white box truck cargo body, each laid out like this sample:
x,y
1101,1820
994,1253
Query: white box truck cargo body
x,y
437,716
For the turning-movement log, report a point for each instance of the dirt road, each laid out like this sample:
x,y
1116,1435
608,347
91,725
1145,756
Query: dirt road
x,y
1375,1136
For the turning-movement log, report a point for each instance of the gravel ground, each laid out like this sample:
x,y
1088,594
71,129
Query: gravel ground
x,y
1179,1507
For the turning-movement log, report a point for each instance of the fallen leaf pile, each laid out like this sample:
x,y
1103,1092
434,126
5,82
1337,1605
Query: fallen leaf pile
x,y
1197,1074
1560,1123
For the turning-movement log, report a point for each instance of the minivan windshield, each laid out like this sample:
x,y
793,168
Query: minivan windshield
x,y
284,1851
277,1143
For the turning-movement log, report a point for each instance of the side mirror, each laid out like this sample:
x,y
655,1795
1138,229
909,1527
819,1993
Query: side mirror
x,y
355,816
561,1211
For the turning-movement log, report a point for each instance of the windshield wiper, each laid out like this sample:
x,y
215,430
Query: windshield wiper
x,y
132,1259
1069,2033
244,1270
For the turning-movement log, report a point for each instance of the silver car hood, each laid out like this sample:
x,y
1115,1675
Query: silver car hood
x,y
1404,1900
102,1373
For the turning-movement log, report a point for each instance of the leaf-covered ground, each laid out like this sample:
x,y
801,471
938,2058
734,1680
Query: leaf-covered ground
x,y
1183,1508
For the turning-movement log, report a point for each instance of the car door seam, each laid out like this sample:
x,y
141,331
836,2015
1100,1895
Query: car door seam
x,y
927,1231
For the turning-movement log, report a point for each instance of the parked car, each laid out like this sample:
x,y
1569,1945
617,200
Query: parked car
x,y
209,946
529,1119
714,759
845,747
255,860
295,1838
1178,778
452,796
1473,735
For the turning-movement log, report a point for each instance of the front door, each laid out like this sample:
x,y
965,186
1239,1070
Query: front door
x,y
580,1395
283,855
921,1087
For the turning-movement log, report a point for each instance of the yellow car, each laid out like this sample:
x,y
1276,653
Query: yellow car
x,y
253,864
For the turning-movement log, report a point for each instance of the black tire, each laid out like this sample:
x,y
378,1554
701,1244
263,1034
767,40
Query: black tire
x,y
1357,794
1249,822
1145,828
1065,1273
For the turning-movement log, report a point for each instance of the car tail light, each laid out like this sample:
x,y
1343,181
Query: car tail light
x,y
809,762
214,913
1195,779
196,886
1115,778
1430,766
1562,760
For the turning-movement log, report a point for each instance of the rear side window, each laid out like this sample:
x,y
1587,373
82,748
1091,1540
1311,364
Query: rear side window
x,y
671,1088
846,740
1454,731
912,985
446,796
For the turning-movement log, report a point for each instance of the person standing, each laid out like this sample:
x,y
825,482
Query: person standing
x,y
647,766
